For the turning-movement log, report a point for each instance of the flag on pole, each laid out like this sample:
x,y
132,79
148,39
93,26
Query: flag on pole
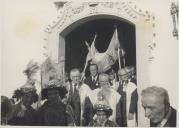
x,y
112,50
91,50
122,55
108,58
105,60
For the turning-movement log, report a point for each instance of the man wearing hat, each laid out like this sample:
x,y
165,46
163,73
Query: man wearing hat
x,y
112,97
129,99
102,111
53,111
23,113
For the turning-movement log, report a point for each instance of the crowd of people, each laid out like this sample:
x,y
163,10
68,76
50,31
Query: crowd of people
x,y
106,99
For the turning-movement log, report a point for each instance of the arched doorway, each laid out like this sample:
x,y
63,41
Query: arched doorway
x,y
75,15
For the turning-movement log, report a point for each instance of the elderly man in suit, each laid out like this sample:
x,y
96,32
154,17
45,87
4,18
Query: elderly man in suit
x,y
155,101
92,80
77,92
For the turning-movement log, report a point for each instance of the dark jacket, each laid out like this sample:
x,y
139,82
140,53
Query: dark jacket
x,y
74,102
92,84
133,104
88,112
29,118
171,120
108,123
53,115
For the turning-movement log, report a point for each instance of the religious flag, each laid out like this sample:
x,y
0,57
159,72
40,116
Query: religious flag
x,y
122,55
108,58
113,48
91,50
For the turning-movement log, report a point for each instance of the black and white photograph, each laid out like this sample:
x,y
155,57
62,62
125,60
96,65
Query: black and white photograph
x,y
89,63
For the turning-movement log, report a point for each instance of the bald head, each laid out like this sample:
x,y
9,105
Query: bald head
x,y
104,80
75,76
158,92
123,74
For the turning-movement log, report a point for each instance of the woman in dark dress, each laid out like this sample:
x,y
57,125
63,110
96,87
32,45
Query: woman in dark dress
x,y
23,113
53,112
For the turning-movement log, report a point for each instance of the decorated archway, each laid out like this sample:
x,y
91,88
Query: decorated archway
x,y
73,14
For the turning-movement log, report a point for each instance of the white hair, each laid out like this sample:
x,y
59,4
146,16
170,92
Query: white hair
x,y
158,92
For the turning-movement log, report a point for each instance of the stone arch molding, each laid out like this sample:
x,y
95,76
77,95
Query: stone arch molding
x,y
78,12
72,12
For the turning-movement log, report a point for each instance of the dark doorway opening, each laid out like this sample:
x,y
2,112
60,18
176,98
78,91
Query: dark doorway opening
x,y
76,50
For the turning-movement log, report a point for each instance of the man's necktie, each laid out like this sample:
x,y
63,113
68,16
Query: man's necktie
x,y
93,79
75,88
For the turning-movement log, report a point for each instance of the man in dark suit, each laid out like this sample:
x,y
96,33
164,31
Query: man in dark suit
x,y
155,101
77,93
92,80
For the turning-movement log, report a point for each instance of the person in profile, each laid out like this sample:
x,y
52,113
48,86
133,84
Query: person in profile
x,y
155,101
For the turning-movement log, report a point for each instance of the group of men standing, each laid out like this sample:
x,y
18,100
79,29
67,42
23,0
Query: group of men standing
x,y
104,99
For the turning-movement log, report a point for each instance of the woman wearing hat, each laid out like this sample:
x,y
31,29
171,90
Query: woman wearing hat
x,y
102,113
53,111
23,113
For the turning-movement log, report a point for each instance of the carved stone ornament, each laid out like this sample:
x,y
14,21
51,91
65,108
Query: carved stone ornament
x,y
71,12
174,12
